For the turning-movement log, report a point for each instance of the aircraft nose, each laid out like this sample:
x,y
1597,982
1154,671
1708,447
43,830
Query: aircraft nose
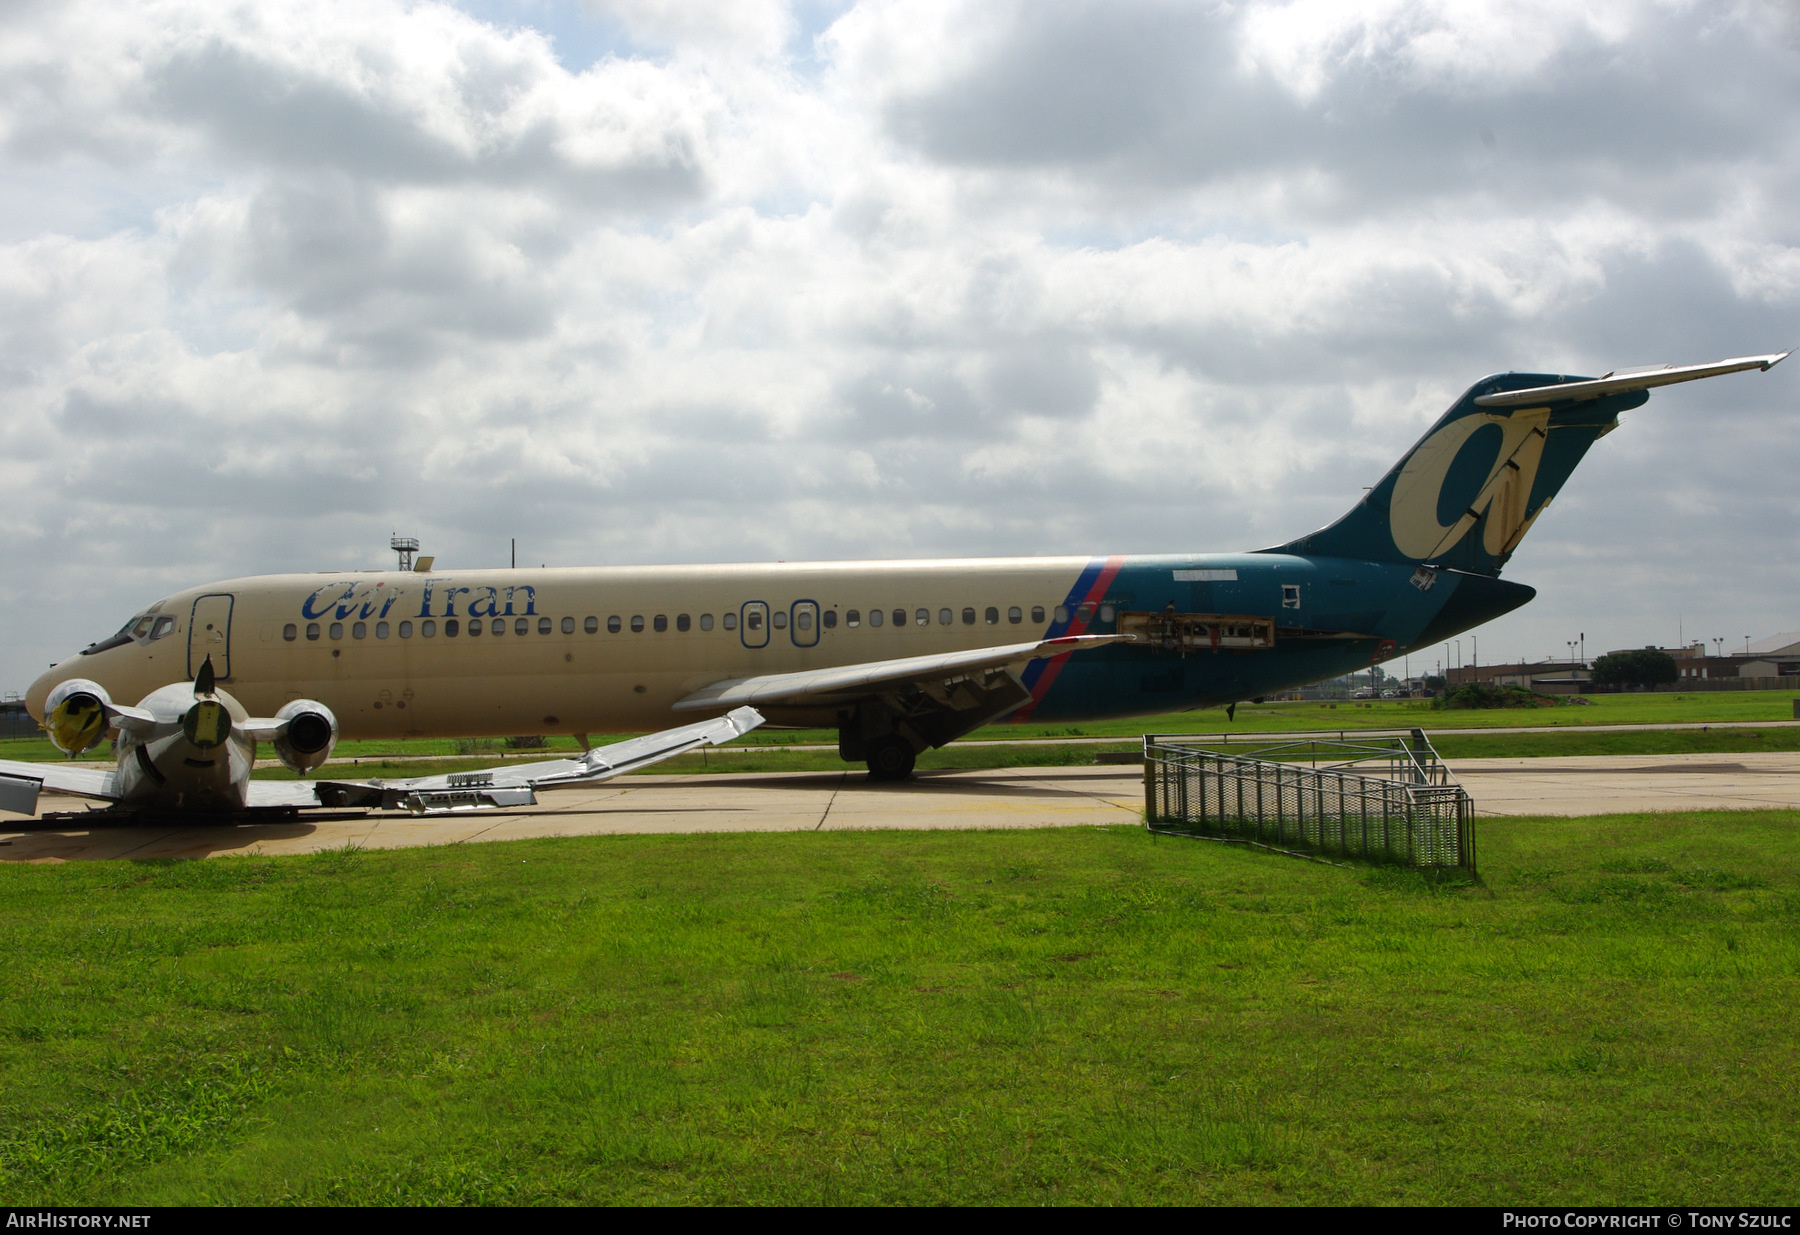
x,y
40,690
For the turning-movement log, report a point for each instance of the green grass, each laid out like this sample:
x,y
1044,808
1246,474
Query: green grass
x,y
1076,1015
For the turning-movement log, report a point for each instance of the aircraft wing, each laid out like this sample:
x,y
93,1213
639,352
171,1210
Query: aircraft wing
x,y
514,785
21,782
847,683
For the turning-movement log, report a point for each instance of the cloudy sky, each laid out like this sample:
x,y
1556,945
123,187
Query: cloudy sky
x,y
739,280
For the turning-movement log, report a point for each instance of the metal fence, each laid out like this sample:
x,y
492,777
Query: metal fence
x,y
1383,796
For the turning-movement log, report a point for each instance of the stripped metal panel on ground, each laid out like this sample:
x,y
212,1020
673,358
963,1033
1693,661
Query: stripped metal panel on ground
x,y
1382,796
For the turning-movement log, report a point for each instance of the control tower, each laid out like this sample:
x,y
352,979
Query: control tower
x,y
405,546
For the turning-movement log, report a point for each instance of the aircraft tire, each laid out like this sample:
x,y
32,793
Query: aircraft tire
x,y
891,758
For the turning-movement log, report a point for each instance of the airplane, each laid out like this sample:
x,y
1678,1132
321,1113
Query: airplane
x,y
897,656
189,748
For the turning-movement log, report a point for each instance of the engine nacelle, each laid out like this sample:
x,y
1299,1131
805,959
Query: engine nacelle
x,y
306,741
75,715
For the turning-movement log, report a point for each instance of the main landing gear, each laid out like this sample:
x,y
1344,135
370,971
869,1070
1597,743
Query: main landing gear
x,y
890,758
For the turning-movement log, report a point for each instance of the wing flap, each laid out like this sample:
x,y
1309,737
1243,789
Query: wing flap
x,y
847,682
1626,381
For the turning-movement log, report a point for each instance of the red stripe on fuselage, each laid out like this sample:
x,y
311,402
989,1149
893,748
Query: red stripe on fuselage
x,y
1077,626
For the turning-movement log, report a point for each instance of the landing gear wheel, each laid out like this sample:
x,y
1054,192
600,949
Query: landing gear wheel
x,y
890,758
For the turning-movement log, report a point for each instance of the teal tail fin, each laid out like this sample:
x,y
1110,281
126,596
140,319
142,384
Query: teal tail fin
x,y
1466,494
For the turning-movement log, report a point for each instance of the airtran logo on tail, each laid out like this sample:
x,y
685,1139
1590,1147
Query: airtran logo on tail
x,y
1480,464
439,599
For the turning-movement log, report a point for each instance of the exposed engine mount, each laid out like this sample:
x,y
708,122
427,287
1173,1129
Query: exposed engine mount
x,y
308,733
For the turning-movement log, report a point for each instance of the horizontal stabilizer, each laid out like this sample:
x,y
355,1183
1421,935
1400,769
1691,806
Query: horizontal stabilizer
x,y
59,778
1626,381
822,686
516,784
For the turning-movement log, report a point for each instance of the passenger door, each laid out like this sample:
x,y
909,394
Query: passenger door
x,y
805,623
753,624
209,634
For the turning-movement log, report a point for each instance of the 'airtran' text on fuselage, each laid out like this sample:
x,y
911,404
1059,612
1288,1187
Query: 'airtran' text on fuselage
x,y
439,599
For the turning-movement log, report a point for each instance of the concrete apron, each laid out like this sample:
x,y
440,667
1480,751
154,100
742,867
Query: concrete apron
x,y
994,798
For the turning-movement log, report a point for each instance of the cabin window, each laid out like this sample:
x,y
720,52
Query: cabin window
x,y
803,620
1062,613
753,621
591,625
730,621
945,617
521,626
450,628
683,622
337,630
706,621
779,619
1037,613
498,626
829,618
992,616
568,626
475,627
543,626
874,617
923,617
1086,611
312,630
661,622
969,616
1014,615
852,617
613,624
427,629
290,632
637,623
381,630
406,630
899,617
1106,613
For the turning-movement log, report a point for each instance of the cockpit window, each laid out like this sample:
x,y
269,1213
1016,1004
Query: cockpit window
x,y
143,628
123,637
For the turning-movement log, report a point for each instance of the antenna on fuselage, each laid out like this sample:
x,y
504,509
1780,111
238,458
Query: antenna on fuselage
x,y
405,546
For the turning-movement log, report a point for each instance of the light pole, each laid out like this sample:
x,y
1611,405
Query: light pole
x,y
1475,655
1746,645
1584,649
1719,645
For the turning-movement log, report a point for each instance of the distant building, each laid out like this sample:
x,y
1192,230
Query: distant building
x,y
1547,677
1784,646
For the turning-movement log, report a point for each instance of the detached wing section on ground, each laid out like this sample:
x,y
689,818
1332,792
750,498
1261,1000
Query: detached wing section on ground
x,y
938,697
516,785
20,783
